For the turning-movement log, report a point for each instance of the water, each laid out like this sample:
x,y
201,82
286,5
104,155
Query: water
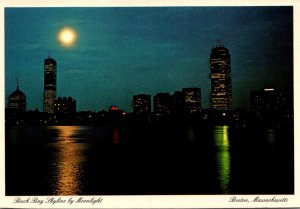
x,y
79,160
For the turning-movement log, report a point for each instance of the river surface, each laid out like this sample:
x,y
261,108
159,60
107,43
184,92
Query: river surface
x,y
84,160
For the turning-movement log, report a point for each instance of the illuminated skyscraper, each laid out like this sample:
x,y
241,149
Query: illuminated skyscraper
x,y
49,84
221,91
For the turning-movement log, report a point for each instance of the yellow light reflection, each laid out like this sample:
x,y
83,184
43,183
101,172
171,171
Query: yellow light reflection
x,y
222,157
68,162
66,132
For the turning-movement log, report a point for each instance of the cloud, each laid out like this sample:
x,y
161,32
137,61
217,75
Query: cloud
x,y
74,71
25,46
69,22
31,46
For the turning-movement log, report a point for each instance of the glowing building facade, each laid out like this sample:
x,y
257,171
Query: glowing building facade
x,y
141,104
162,104
49,84
192,100
221,88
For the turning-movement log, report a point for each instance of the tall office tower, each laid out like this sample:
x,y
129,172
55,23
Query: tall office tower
x,y
162,104
49,84
192,100
221,91
141,104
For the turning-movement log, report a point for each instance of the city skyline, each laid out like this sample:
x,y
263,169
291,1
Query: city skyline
x,y
148,50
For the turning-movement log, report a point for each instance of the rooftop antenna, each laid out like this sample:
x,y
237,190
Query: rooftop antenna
x,y
49,54
220,43
17,81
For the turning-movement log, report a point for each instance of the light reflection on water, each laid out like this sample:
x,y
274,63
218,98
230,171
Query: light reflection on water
x,y
271,137
68,161
69,155
116,135
221,140
191,134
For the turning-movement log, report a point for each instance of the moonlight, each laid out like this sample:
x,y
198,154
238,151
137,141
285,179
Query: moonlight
x,y
67,37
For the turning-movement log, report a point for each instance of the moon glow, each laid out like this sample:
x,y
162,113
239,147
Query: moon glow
x,y
67,37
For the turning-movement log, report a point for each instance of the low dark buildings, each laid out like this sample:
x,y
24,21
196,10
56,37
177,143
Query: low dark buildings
x,y
272,106
162,104
65,110
65,106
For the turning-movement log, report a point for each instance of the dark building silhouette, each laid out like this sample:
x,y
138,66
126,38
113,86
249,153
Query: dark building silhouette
x,y
271,106
49,84
192,100
17,101
86,117
221,87
65,110
268,100
162,104
141,104
65,106
178,103
116,116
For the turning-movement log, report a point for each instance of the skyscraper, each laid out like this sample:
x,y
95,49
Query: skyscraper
x,y
221,90
49,84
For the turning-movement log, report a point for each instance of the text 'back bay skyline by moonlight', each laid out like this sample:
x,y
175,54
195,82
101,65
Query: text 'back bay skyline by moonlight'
x,y
107,55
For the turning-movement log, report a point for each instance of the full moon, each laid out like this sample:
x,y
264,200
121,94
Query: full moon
x,y
67,37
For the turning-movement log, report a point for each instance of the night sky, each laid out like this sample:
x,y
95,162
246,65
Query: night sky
x,y
124,51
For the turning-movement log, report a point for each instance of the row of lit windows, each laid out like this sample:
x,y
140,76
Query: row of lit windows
x,y
221,100
17,98
16,104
